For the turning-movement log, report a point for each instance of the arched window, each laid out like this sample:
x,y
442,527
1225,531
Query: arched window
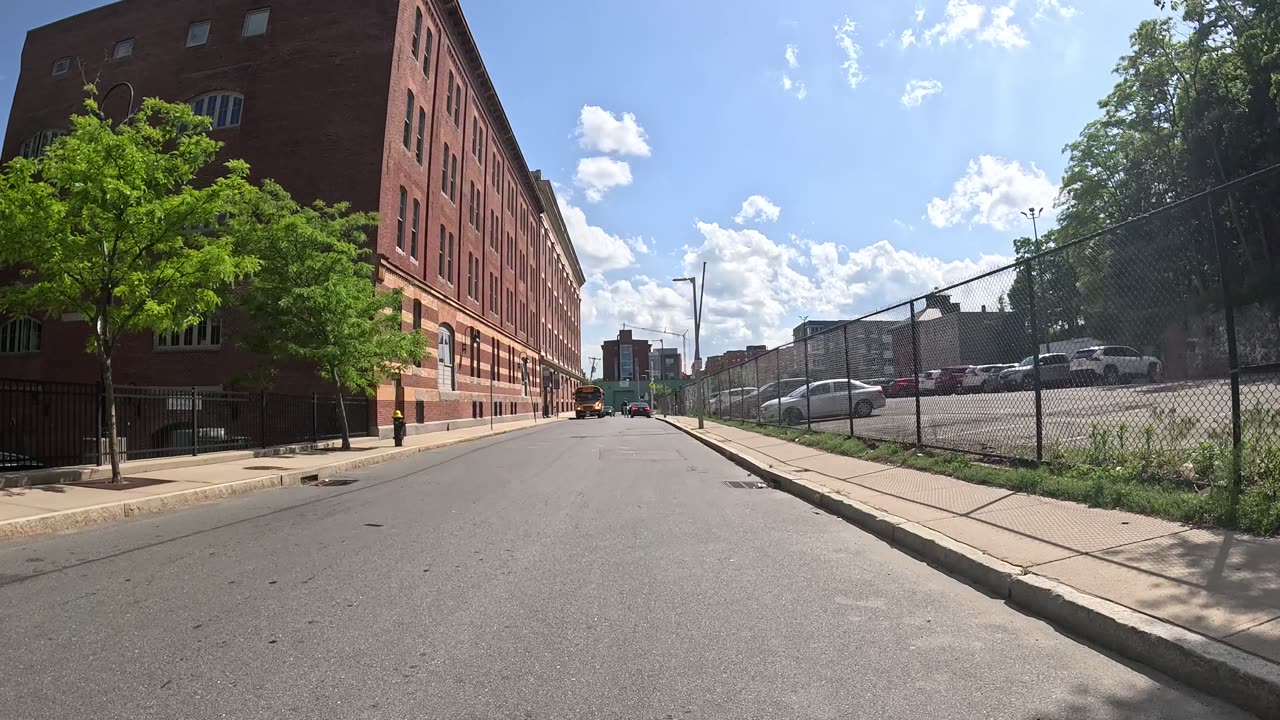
x,y
445,379
20,335
34,146
224,108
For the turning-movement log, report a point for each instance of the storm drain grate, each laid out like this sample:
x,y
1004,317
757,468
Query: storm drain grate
x,y
337,480
745,484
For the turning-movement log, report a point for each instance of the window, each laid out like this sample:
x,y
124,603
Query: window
x,y
470,279
453,178
198,33
223,108
123,49
474,136
408,120
20,335
449,275
417,314
413,229
457,107
426,54
475,353
444,171
417,31
440,267
61,66
404,199
34,146
206,334
471,204
448,98
255,22
445,379
422,123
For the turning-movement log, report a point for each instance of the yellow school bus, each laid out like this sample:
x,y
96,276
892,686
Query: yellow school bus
x,y
588,401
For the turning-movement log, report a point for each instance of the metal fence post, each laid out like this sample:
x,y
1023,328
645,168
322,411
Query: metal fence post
x,y
848,377
777,373
1035,357
1233,357
755,414
195,424
262,416
915,369
808,403
101,404
315,420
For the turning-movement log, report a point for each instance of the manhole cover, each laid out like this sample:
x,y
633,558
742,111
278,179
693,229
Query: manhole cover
x,y
745,484
128,483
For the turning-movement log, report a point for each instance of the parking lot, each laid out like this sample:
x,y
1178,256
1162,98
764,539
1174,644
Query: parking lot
x,y
1182,415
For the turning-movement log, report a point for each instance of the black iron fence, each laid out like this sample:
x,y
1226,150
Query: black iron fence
x,y
1153,341
58,424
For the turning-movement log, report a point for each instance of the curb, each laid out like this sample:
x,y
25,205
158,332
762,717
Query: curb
x,y
1212,667
64,520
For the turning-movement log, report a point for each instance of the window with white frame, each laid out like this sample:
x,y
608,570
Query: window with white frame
x,y
20,335
123,49
34,146
61,66
198,33
223,108
255,22
444,349
204,335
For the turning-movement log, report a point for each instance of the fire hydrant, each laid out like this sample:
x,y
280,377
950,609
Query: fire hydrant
x,y
397,428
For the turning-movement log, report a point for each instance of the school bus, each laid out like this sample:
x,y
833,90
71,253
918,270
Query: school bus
x,y
588,401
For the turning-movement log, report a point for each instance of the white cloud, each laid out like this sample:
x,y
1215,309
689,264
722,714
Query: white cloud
x,y
999,32
795,87
597,175
908,38
852,52
918,90
598,250
919,15
1046,7
602,131
641,301
639,245
992,192
793,57
960,18
757,207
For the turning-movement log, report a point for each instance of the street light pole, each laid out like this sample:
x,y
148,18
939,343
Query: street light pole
x,y
697,335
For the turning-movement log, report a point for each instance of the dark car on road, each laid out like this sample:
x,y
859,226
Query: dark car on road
x,y
640,409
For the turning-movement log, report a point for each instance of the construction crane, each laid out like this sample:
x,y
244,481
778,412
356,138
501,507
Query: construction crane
x,y
684,337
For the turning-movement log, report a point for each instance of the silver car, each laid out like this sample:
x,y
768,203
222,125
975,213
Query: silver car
x,y
824,399
1054,371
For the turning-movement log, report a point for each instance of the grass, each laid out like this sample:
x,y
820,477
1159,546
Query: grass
x,y
1118,469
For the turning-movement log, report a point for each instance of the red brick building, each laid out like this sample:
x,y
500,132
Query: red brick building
x,y
387,106
626,358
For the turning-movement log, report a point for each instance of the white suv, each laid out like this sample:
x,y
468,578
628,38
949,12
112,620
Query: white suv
x,y
1113,364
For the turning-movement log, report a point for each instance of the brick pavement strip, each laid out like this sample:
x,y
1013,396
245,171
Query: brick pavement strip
x,y
47,508
1147,600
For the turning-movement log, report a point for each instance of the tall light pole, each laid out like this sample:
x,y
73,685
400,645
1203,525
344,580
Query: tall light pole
x,y
1034,214
697,333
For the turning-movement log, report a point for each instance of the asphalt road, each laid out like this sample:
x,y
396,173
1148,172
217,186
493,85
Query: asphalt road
x,y
1182,415
587,569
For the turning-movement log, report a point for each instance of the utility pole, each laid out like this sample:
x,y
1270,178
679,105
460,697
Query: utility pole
x,y
592,375
697,333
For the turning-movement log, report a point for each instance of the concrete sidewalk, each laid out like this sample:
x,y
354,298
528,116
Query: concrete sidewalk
x,y
64,506
1218,583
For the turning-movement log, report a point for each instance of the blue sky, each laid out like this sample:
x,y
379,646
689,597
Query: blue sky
x,y
871,195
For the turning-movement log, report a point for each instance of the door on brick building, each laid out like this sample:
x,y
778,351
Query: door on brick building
x,y
445,379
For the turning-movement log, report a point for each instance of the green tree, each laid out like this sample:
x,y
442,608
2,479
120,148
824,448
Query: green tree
x,y
112,224
314,297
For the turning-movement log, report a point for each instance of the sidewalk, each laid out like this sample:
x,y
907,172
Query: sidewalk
x,y
56,507
1217,583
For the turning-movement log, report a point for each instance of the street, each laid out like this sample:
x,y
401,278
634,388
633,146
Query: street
x,y
583,569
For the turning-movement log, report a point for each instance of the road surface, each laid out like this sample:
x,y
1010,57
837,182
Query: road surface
x,y
586,569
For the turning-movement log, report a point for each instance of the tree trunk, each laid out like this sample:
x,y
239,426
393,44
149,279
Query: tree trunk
x,y
108,384
342,414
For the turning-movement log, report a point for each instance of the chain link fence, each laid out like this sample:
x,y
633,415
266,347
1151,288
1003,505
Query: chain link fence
x,y
1152,342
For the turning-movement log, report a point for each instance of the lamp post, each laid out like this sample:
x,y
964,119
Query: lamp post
x,y
697,333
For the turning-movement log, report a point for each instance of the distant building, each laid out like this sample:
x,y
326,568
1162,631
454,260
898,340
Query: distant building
x,y
729,358
948,336
626,358
813,327
665,363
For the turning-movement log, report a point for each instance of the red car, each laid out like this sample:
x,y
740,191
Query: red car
x,y
901,387
950,379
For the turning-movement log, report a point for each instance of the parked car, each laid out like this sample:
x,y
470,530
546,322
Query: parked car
x,y
727,400
1113,364
608,410
824,399
1053,373
983,378
881,383
901,387
749,405
949,380
640,409
929,381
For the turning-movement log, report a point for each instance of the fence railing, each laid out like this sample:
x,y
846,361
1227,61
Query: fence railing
x,y
44,425
1154,341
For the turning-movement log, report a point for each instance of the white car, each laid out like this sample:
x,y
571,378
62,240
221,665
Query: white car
x,y
1113,364
982,378
728,400
929,382
824,399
